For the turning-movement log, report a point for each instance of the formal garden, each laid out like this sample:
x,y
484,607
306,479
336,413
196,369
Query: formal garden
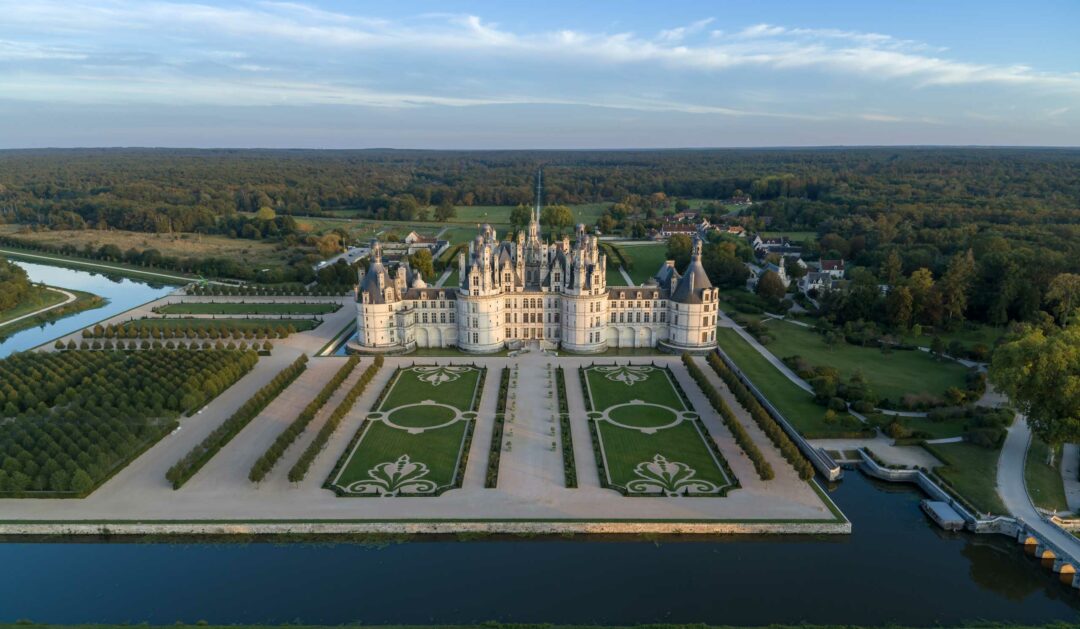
x,y
200,328
415,441
70,420
647,438
243,308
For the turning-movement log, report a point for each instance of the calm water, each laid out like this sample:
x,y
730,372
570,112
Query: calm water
x,y
895,567
121,293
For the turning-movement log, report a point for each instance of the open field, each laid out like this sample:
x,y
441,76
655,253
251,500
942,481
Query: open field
x,y
794,403
797,236
413,441
972,471
237,308
889,375
181,245
649,439
646,260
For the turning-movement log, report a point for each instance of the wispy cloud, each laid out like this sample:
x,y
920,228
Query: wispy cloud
x,y
291,52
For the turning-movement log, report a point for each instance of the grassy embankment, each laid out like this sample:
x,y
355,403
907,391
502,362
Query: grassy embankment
x,y
890,375
83,301
972,471
794,403
1044,481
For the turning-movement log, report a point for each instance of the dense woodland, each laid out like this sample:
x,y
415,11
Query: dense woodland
x,y
903,215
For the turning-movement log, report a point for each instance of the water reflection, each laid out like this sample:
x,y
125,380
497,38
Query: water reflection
x,y
895,567
120,293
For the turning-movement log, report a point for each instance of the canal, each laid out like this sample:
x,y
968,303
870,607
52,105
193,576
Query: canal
x,y
895,567
121,294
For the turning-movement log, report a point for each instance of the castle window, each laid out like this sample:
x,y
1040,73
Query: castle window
x,y
676,320
442,317
424,317
663,317
453,315
639,317
646,317
704,337
475,337
705,321
556,317
507,332
613,317
507,318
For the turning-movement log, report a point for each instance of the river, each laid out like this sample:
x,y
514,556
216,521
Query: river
x,y
121,294
894,567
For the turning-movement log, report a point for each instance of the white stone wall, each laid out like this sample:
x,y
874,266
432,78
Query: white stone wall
x,y
693,325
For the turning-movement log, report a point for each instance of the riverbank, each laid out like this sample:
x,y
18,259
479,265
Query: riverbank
x,y
72,302
123,270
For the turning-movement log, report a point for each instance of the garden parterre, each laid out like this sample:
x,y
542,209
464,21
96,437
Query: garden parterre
x,y
647,438
415,440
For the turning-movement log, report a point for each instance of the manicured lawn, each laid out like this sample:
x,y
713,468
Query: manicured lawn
x,y
1044,481
410,388
632,440
654,388
424,449
794,403
253,308
38,298
969,335
890,375
625,448
646,260
936,430
972,471
453,280
437,449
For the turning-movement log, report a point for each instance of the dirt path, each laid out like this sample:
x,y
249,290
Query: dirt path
x,y
69,297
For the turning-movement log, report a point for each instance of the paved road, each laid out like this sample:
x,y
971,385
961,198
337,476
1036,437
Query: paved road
x,y
68,298
1013,490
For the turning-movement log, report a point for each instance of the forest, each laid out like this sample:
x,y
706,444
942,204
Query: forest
x,y
1005,221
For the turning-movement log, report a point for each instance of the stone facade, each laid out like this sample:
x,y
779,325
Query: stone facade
x,y
528,290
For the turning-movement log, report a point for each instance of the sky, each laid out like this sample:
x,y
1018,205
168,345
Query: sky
x,y
544,74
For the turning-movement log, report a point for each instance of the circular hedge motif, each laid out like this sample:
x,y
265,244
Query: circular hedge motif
x,y
642,416
421,416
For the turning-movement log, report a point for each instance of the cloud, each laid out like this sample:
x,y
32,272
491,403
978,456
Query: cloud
x,y
157,50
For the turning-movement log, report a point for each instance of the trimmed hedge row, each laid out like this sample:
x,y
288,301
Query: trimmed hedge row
x,y
269,458
762,466
775,433
193,461
303,464
491,479
569,465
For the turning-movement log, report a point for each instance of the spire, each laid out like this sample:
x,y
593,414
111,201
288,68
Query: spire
x,y
539,193
695,251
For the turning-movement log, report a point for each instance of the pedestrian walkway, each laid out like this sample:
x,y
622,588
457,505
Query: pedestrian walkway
x,y
68,298
445,276
726,322
530,466
1013,489
1070,475
626,276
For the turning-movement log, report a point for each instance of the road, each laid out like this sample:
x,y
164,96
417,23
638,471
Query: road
x,y
1013,489
69,297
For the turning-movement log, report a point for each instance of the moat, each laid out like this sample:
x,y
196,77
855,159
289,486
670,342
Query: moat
x,y
894,567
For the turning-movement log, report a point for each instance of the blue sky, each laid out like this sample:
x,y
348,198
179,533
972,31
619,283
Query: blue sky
x,y
584,74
